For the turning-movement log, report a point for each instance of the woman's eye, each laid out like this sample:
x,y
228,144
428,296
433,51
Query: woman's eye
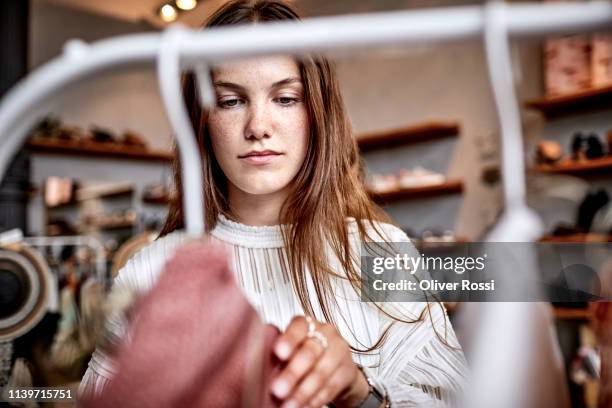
x,y
286,100
229,103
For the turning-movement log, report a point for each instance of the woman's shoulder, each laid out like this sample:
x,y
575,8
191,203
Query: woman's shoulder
x,y
142,269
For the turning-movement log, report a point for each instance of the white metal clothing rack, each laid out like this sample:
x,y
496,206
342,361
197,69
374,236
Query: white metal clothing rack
x,y
497,372
77,240
177,50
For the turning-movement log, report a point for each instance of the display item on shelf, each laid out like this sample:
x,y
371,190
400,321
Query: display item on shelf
x,y
548,152
593,202
567,64
586,146
124,218
57,226
601,60
132,138
48,127
432,236
100,135
157,192
602,221
419,177
70,133
405,179
578,147
59,190
383,183
594,147
26,281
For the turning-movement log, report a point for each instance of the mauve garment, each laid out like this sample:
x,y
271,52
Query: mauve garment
x,y
195,341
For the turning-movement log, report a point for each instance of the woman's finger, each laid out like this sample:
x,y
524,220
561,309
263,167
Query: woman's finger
x,y
335,384
291,339
302,361
316,380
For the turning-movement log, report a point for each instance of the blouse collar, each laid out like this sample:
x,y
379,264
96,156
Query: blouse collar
x,y
267,236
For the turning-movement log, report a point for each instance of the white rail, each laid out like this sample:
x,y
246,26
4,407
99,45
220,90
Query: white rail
x,y
25,103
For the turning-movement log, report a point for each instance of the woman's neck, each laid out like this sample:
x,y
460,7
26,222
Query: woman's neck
x,y
256,209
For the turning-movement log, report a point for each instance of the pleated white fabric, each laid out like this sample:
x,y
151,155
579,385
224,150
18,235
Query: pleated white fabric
x,y
421,364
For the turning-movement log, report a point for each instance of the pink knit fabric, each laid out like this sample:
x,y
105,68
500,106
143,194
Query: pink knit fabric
x,y
196,341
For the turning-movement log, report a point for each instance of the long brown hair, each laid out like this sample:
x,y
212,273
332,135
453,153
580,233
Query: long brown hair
x,y
327,189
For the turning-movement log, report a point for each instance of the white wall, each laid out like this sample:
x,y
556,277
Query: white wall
x,y
117,101
442,82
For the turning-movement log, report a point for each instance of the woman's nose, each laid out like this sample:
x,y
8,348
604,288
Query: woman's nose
x,y
258,122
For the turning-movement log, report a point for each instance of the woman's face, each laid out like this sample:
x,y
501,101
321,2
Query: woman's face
x,y
259,127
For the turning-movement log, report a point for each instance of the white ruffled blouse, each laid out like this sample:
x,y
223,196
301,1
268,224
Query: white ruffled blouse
x,y
415,365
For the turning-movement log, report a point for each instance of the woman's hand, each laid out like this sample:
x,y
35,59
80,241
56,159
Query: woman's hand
x,y
314,375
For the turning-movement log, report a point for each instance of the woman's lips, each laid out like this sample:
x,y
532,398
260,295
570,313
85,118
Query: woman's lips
x,y
260,158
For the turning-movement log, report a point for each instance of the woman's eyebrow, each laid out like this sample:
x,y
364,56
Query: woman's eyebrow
x,y
229,85
286,81
277,84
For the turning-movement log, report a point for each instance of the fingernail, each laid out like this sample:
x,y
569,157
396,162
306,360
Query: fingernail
x,y
290,404
282,351
280,388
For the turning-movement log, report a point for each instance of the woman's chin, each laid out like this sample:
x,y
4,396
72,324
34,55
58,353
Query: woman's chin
x,y
260,188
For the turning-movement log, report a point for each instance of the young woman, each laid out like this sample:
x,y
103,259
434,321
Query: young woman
x,y
283,189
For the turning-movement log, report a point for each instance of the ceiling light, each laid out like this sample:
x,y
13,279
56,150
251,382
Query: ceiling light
x,y
186,4
167,13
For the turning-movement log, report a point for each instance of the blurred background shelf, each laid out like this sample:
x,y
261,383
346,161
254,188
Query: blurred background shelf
x,y
591,167
114,225
589,99
561,313
576,238
450,187
424,132
567,313
163,200
93,149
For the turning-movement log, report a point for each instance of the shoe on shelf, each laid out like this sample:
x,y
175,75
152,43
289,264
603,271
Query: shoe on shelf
x,y
548,152
383,183
594,149
419,177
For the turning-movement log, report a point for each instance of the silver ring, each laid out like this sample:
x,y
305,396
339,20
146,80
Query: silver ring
x,y
313,333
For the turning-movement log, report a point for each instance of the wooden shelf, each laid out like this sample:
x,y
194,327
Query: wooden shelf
x,y
589,99
95,149
114,226
165,200
434,245
583,167
408,135
450,187
562,313
576,238
83,195
567,313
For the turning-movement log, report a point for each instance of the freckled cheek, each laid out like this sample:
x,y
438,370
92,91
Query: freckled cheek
x,y
224,134
294,126
297,128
